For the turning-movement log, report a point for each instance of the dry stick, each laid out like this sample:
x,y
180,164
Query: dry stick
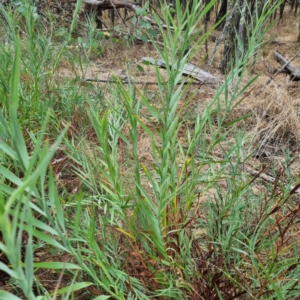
x,y
266,177
278,71
136,82
205,30
118,13
228,18
59,281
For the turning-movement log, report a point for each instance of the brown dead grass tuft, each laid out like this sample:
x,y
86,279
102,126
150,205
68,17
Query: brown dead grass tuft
x,y
275,118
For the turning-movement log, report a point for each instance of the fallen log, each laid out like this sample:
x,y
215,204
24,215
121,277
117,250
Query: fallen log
x,y
293,71
188,70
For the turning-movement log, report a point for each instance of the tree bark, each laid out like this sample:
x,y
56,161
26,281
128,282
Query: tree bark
x,y
221,14
222,34
242,31
229,41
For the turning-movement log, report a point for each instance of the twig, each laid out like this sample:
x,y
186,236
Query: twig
x,y
59,281
112,3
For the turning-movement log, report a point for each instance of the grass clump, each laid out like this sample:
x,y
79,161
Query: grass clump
x,y
82,207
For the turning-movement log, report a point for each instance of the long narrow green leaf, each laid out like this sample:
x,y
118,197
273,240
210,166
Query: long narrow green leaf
x,y
53,195
8,296
56,265
41,225
49,240
29,252
74,287
9,271
10,176
40,169
8,150
17,138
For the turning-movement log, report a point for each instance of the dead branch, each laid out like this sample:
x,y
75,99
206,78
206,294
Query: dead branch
x,y
278,71
188,70
288,67
129,81
113,4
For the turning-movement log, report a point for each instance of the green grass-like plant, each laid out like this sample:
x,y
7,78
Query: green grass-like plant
x,y
185,224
